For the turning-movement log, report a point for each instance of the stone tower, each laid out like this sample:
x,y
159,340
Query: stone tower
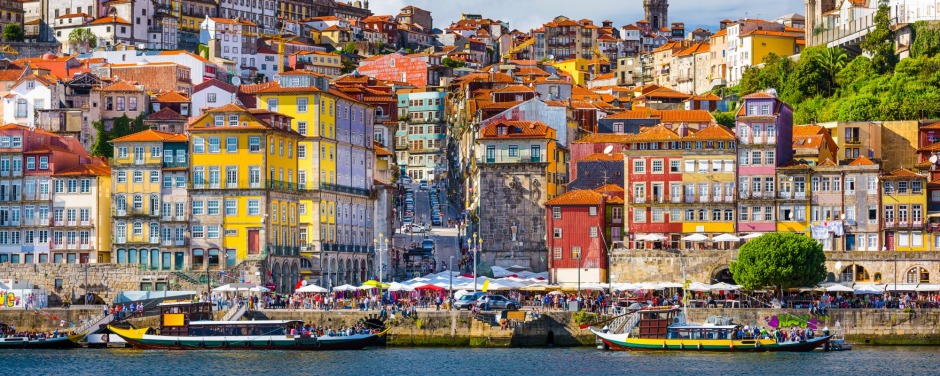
x,y
657,13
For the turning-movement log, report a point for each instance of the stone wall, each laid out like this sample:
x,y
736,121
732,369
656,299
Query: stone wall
x,y
29,320
33,49
512,196
63,281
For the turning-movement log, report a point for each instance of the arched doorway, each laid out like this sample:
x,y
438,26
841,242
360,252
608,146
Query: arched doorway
x,y
917,274
276,275
294,276
723,274
356,272
854,273
349,272
341,273
285,278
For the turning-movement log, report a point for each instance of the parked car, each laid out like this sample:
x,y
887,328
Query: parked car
x,y
424,185
468,300
498,302
427,245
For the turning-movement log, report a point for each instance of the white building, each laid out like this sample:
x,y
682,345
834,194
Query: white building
x,y
200,69
263,13
233,39
211,94
27,95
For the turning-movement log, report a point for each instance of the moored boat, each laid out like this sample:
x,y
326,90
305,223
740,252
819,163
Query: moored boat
x,y
666,329
10,340
185,326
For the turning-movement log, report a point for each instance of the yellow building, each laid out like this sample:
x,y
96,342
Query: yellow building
x,y
904,202
244,192
762,43
793,197
580,69
81,214
707,187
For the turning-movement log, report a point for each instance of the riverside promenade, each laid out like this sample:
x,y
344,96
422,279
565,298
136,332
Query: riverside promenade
x,y
556,328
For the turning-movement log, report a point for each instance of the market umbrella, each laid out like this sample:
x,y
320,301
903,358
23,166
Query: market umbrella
x,y
395,287
345,288
538,287
698,286
667,285
429,287
753,235
726,238
695,238
312,288
259,289
224,288
652,238
556,292
867,289
721,286
839,288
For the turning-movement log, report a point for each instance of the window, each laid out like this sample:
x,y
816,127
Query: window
x,y
674,166
231,145
219,120
196,232
513,151
576,253
301,151
657,166
138,176
302,127
639,215
212,207
215,145
556,253
155,152
254,207
272,104
556,233
556,212
132,103
254,144
122,177
199,145
301,105
210,98
197,206
639,166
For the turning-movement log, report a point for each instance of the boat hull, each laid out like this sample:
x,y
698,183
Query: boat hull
x,y
620,342
49,343
139,340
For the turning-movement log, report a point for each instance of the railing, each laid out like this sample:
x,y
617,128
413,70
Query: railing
x,y
345,189
86,223
167,243
852,141
729,198
768,194
175,165
800,195
154,240
703,198
179,242
785,194
675,199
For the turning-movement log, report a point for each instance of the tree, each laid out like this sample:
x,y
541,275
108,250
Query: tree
x,y
832,61
13,33
83,38
348,66
879,42
724,118
349,48
453,63
781,260
926,39
102,146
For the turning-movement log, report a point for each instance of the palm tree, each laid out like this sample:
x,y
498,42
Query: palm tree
x,y
84,38
832,61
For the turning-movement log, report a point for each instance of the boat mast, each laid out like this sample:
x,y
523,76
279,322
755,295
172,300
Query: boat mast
x,y
685,283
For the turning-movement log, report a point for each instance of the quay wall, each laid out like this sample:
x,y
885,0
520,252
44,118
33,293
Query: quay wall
x,y
30,321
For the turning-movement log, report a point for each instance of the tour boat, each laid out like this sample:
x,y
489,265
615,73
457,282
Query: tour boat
x,y
186,326
16,342
666,329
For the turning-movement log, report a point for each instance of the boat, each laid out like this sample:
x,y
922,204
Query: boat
x,y
9,340
838,343
667,329
188,326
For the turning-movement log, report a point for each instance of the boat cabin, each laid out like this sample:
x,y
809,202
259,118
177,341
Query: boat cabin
x,y
175,317
241,328
702,332
655,323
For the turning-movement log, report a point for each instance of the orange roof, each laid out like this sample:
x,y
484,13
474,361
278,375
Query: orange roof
x,y
609,188
599,138
380,151
862,161
903,173
827,163
86,170
151,135
230,21
171,97
696,48
516,129
120,86
807,142
720,33
613,157
806,130
759,94
577,197
276,88
716,132
656,134
108,20
165,114
190,54
794,164
515,89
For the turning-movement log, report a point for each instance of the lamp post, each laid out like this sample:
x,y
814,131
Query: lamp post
x,y
450,268
475,248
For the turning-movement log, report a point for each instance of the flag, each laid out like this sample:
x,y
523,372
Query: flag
x,y
486,285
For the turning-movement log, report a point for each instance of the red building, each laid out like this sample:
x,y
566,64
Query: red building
x,y
652,171
398,67
594,144
385,24
577,241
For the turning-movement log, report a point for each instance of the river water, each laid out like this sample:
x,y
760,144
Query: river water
x,y
879,361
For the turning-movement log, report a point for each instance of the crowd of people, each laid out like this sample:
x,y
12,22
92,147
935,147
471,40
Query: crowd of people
x,y
794,334
312,330
11,332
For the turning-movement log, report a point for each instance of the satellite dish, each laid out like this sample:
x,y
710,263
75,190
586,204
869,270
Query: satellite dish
x,y
551,57
933,159
236,81
610,148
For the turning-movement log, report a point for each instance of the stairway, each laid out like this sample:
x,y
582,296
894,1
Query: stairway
x,y
624,324
235,313
94,324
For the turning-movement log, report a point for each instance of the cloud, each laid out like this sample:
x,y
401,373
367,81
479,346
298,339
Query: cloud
x,y
530,14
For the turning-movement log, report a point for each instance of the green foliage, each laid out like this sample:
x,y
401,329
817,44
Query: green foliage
x,y
781,260
349,48
880,41
926,39
348,66
13,33
121,127
832,61
724,118
583,317
101,147
83,39
452,63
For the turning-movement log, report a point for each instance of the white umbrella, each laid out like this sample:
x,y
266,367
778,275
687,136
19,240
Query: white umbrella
x,y
698,286
224,288
839,288
259,289
721,286
367,287
651,238
395,287
345,288
695,238
752,235
668,285
725,238
312,288
592,287
556,292
868,289
648,286
926,287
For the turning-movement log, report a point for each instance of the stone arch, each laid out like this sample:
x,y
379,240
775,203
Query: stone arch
x,y
349,271
341,273
294,276
854,273
917,274
285,277
722,274
356,272
276,274
334,264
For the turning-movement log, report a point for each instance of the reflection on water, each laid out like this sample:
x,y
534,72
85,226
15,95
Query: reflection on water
x,y
420,361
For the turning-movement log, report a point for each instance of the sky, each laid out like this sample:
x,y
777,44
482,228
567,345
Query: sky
x,y
530,14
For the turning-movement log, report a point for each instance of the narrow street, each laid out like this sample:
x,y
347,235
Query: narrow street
x,y
445,238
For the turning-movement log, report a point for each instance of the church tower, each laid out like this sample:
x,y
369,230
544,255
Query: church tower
x,y
657,13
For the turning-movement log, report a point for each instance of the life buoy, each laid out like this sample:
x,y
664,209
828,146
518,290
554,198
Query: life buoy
x,y
732,346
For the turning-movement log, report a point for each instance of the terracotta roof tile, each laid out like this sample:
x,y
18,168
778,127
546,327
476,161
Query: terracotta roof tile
x,y
86,170
807,130
515,89
166,113
577,197
862,161
807,142
380,151
108,20
612,157
516,129
609,188
254,88
656,134
794,164
121,86
277,89
214,82
152,136
759,94
903,173
716,132
171,97
598,138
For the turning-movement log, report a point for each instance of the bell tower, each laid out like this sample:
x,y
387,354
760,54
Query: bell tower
x,y
657,13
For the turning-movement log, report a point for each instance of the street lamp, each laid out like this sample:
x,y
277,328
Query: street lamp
x,y
474,260
450,269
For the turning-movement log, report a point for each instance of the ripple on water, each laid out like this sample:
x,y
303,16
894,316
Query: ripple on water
x,y
434,361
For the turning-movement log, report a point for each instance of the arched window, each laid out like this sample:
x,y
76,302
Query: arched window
x,y
154,205
121,232
121,203
917,275
138,202
861,275
138,228
154,232
877,277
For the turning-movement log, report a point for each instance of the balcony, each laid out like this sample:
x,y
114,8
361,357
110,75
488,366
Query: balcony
x,y
175,164
282,185
800,195
768,194
639,200
703,198
120,240
72,223
166,243
675,199
58,223
786,195
154,240
852,141
179,242
345,189
121,212
86,223
729,198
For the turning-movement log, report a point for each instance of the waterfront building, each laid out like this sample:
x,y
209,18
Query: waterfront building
x,y
813,143
708,159
856,139
335,173
764,141
793,196
81,214
115,100
149,200
652,178
577,242
244,196
903,200
861,200
827,219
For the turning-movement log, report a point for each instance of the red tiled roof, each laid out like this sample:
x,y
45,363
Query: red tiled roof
x,y
599,138
380,151
166,114
715,132
86,170
903,173
604,157
759,94
108,20
277,89
171,97
121,86
807,142
517,129
655,134
609,188
577,197
214,82
151,135
862,161
515,89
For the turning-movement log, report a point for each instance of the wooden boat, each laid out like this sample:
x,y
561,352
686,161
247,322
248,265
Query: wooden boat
x,y
666,329
62,342
185,326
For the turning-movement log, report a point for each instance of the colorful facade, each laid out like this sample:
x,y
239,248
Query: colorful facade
x,y
577,243
904,201
423,133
